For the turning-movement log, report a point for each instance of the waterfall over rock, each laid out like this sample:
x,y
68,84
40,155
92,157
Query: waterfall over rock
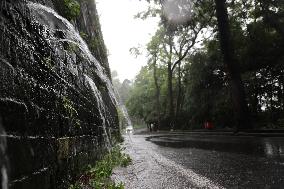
x,y
57,102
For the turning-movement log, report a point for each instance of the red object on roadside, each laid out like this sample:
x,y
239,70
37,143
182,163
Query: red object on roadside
x,y
208,125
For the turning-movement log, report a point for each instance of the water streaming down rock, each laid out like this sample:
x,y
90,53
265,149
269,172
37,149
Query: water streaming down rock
x,y
123,108
57,103
125,113
56,23
46,16
101,106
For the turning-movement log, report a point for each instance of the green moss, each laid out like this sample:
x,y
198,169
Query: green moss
x,y
72,47
63,148
97,46
94,44
102,87
99,176
71,9
68,105
71,111
48,62
84,35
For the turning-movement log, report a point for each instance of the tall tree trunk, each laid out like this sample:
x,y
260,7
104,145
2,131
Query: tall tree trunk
x,y
178,103
158,106
170,83
238,92
170,91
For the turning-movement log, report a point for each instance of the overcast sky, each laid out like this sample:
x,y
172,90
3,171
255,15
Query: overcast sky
x,y
121,32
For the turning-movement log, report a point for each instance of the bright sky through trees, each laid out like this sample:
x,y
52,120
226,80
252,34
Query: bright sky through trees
x,y
121,32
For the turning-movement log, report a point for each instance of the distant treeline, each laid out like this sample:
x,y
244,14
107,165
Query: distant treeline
x,y
217,61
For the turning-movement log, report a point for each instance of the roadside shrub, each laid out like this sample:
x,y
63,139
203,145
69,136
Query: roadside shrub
x,y
98,177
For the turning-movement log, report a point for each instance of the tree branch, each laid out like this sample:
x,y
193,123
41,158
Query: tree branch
x,y
187,49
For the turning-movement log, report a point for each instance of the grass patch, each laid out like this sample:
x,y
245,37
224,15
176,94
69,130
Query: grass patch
x,y
98,177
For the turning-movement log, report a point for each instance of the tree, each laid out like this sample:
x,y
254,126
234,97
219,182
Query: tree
x,y
238,92
153,50
141,102
240,71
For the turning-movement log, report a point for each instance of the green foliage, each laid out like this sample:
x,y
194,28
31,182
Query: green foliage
x,y
84,35
98,177
207,93
71,9
141,99
258,38
71,111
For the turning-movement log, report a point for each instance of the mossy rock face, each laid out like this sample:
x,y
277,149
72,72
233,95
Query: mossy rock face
x,y
63,148
89,26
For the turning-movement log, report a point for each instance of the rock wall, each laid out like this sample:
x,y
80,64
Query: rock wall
x,y
54,122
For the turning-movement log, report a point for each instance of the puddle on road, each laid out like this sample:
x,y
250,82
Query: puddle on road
x,y
272,147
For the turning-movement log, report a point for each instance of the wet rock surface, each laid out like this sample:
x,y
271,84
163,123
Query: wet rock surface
x,y
185,166
56,107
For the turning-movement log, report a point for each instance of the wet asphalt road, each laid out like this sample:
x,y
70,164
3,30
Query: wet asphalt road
x,y
203,161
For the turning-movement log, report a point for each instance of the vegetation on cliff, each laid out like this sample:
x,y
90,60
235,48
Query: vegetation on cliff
x,y
71,9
